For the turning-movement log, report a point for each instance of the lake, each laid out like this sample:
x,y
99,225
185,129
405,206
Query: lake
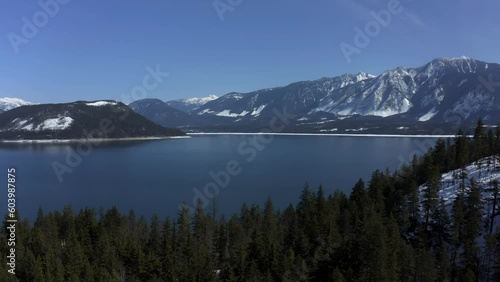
x,y
157,176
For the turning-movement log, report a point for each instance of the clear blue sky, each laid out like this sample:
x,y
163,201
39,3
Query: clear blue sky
x,y
98,49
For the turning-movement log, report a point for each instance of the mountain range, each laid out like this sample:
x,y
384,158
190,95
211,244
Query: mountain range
x,y
448,91
444,93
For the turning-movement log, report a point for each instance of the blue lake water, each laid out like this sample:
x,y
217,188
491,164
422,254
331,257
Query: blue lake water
x,y
158,176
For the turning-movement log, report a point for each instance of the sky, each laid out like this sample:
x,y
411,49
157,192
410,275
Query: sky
x,y
54,51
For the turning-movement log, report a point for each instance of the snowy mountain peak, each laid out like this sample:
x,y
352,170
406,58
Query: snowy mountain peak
x,y
363,76
190,104
461,64
199,101
7,103
461,58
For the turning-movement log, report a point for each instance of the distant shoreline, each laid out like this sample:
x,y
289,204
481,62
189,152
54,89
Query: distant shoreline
x,y
219,133
323,134
90,140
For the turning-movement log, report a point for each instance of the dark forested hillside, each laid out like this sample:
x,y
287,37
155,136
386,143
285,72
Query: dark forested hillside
x,y
385,230
78,120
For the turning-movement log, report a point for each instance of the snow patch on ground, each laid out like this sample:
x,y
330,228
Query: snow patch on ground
x,y
484,172
28,127
59,123
462,82
101,103
256,111
429,115
356,129
198,101
206,111
384,113
18,124
227,113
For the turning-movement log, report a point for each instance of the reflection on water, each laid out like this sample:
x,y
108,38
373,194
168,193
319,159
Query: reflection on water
x,y
63,146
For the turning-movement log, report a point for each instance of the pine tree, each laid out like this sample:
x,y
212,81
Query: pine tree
x,y
393,245
431,197
472,220
372,253
494,189
238,250
479,144
272,237
441,225
184,248
204,265
458,220
167,254
337,276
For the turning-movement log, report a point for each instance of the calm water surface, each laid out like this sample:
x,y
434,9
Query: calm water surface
x,y
157,176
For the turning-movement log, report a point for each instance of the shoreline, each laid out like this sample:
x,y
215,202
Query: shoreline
x,y
323,134
189,135
91,140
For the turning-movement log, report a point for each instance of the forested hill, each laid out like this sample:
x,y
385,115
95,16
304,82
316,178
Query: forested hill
x,y
78,120
392,228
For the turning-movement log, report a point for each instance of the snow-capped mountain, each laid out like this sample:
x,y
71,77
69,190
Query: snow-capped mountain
x,y
299,97
424,93
77,120
189,105
7,103
445,90
442,86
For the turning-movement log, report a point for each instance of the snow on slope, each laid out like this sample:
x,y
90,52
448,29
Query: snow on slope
x,y
189,105
399,90
59,123
7,103
483,172
256,111
198,101
101,103
429,115
227,113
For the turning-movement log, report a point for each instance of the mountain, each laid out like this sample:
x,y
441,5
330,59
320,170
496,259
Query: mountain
x,y
447,91
423,94
188,105
160,112
11,103
78,120
298,98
